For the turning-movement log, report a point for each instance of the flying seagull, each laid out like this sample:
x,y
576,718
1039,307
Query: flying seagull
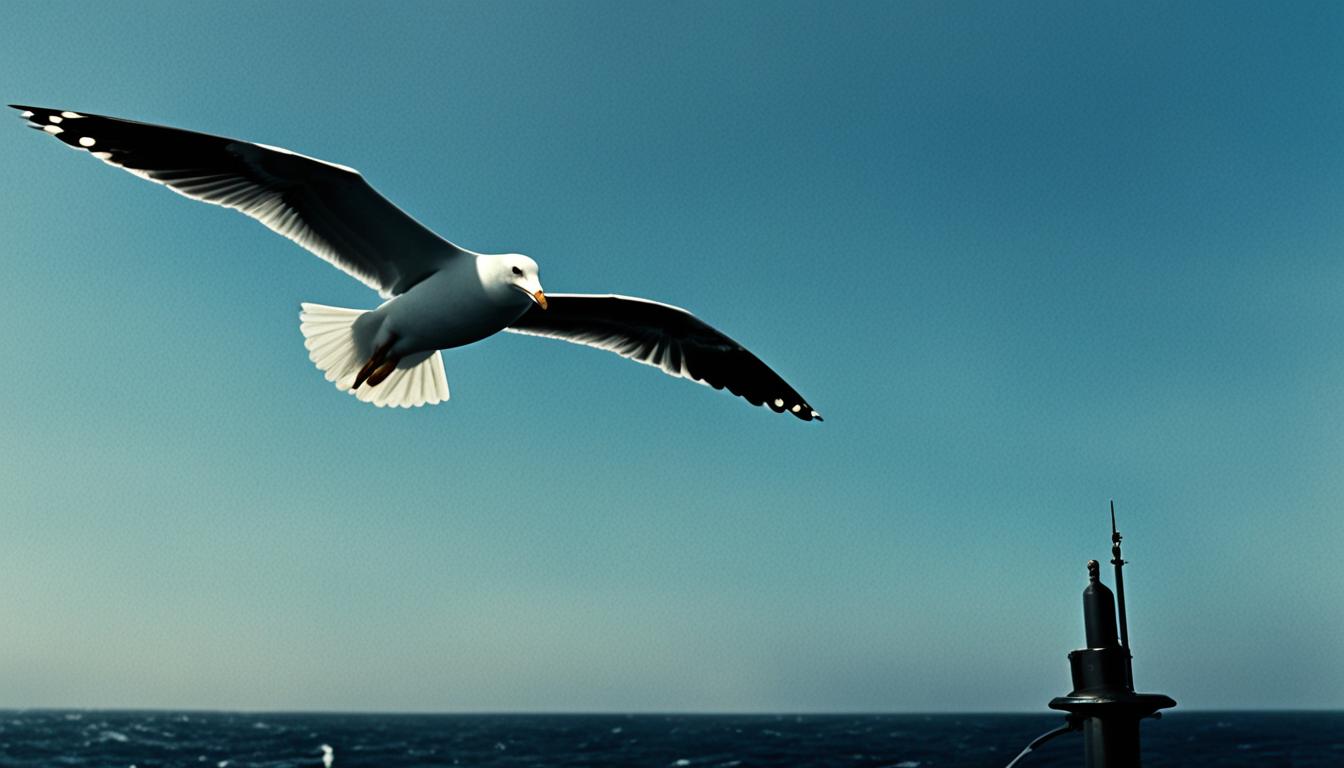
x,y
439,295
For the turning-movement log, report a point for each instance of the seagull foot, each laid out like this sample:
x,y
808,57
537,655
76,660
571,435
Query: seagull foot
x,y
383,371
372,365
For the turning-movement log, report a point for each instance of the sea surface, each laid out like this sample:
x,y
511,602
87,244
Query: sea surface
x,y
234,740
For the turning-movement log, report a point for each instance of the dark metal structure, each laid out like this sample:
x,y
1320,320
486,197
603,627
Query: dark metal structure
x,y
1103,703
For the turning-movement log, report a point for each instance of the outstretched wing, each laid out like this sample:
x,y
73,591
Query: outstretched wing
x,y
328,209
667,337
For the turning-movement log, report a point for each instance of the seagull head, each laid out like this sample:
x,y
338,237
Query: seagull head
x,y
511,272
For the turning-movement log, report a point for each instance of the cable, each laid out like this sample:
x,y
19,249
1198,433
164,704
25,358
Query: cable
x,y
1044,737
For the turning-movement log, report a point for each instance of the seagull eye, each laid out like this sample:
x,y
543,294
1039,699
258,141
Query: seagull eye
x,y
517,271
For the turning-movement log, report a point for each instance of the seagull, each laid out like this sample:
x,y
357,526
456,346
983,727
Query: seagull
x,y
437,295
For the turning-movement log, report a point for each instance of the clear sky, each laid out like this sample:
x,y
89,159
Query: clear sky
x,y
1024,257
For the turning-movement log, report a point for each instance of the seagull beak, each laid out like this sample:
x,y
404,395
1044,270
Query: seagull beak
x,y
540,298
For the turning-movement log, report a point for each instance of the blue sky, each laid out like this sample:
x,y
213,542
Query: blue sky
x,y
1024,257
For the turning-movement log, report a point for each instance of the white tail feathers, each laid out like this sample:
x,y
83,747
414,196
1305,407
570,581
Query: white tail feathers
x,y
328,334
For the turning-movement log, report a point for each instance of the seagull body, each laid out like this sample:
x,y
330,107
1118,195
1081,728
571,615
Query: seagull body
x,y
438,295
468,299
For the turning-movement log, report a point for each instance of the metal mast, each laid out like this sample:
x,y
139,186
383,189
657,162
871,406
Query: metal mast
x,y
1103,702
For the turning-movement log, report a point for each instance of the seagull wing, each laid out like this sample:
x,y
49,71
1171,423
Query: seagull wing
x,y
667,337
328,209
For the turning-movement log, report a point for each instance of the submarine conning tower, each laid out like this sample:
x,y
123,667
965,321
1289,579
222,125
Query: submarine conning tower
x,y
1103,702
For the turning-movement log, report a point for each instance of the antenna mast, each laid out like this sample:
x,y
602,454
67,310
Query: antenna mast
x,y
1119,563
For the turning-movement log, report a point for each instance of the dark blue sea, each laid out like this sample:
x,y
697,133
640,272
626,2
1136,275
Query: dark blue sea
x,y
235,740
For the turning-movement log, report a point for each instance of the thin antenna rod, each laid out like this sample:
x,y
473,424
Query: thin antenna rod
x,y
1119,564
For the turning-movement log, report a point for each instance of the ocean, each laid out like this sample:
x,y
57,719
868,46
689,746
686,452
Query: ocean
x,y
108,739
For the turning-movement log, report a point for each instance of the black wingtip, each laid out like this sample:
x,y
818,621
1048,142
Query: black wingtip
x,y
27,113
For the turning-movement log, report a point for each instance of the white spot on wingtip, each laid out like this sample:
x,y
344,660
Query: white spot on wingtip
x,y
25,114
53,119
816,415
72,115
102,155
86,141
797,408
52,129
779,402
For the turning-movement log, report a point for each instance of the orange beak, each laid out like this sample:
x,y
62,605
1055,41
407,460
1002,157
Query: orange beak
x,y
540,298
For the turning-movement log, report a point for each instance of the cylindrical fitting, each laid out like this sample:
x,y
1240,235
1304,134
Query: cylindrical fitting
x,y
1098,611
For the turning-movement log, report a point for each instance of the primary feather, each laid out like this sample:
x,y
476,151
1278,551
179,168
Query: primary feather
x,y
328,209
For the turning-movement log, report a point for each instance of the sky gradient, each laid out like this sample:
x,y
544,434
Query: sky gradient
x,y
1024,257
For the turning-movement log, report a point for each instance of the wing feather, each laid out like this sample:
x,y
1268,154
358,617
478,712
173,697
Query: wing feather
x,y
668,338
326,208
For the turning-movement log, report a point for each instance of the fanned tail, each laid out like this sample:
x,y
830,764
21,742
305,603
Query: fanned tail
x,y
329,335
